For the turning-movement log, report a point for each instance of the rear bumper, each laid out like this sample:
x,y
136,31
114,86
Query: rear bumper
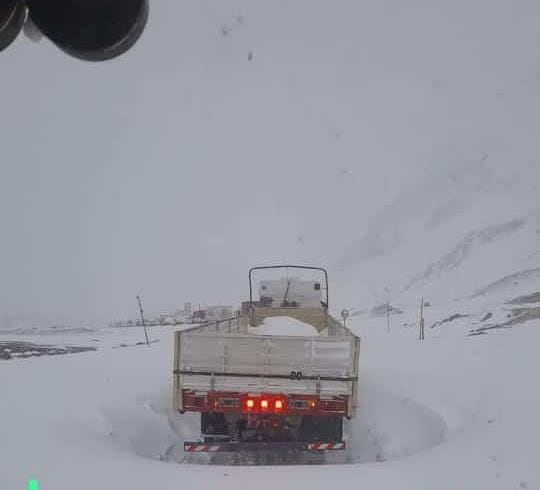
x,y
234,402
214,447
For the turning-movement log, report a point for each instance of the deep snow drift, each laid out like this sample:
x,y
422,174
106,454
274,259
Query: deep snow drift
x,y
452,412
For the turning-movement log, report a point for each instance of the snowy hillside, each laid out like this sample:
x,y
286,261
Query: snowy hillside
x,y
467,229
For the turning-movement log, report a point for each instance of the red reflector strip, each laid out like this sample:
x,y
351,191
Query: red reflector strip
x,y
325,446
201,448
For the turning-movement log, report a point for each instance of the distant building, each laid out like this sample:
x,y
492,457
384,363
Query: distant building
x,y
198,316
187,309
212,313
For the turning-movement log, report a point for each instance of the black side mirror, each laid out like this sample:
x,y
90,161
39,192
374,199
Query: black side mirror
x,y
91,30
12,17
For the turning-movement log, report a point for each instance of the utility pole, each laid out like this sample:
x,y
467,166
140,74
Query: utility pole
x,y
388,316
421,325
142,320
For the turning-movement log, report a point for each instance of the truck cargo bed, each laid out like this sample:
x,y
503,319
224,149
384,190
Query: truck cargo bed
x,y
325,366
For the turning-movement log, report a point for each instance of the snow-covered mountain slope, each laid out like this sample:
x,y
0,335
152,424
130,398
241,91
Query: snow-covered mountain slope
x,y
468,228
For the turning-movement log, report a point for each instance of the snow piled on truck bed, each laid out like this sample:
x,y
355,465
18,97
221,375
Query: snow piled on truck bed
x,y
285,326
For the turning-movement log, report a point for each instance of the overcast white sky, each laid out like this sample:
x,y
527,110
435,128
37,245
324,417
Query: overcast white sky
x,y
170,171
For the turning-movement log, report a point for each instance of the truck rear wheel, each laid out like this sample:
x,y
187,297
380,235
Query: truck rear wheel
x,y
327,429
213,426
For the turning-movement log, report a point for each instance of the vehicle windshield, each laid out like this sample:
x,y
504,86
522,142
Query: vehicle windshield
x,y
301,236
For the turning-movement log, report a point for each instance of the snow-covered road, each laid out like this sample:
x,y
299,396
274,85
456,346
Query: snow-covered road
x,y
455,412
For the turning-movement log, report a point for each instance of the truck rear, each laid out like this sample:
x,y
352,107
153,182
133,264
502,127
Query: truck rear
x,y
269,392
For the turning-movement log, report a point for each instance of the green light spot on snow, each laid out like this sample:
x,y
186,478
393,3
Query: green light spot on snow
x,y
33,485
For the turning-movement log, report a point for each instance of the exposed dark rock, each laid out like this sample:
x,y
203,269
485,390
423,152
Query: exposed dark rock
x,y
11,350
451,318
487,317
516,317
528,298
381,310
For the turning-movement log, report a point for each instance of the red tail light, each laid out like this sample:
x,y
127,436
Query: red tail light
x,y
266,403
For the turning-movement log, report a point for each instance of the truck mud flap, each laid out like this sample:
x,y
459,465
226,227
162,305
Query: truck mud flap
x,y
214,447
